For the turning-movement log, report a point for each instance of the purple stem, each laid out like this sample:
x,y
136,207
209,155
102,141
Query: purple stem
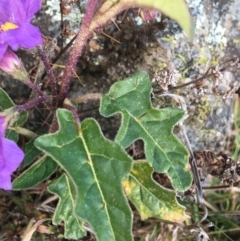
x,y
82,37
50,74
29,104
74,112
34,88
106,11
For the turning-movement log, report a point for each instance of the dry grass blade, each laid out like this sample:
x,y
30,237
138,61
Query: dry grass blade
x,y
30,230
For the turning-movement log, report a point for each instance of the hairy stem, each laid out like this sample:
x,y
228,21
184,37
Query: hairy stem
x,y
68,105
77,49
34,88
27,133
50,74
29,104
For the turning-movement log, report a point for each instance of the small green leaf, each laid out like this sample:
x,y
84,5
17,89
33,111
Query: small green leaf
x,y
37,173
31,152
21,119
64,212
6,103
12,135
175,9
11,132
140,120
149,198
96,167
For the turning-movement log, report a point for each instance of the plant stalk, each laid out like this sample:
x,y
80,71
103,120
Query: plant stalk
x,y
34,88
29,104
82,37
50,74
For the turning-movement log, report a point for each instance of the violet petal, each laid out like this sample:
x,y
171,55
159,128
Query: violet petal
x,y
3,48
32,6
5,181
12,11
21,33
12,156
28,36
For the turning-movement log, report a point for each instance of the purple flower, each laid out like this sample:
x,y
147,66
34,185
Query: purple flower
x,y
11,64
10,157
15,27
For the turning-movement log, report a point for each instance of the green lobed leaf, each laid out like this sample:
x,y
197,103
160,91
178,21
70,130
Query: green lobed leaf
x,y
96,166
37,173
149,198
74,228
175,9
140,120
6,103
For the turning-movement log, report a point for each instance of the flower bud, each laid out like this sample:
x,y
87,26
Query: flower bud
x,y
11,64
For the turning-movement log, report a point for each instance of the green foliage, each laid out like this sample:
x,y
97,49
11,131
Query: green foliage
x,y
90,190
96,167
149,198
6,103
31,152
37,173
140,120
95,176
64,212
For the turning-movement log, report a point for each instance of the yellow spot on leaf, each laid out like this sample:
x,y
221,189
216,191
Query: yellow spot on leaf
x,y
8,26
128,186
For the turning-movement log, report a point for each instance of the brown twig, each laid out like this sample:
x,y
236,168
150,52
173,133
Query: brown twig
x,y
87,97
232,62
